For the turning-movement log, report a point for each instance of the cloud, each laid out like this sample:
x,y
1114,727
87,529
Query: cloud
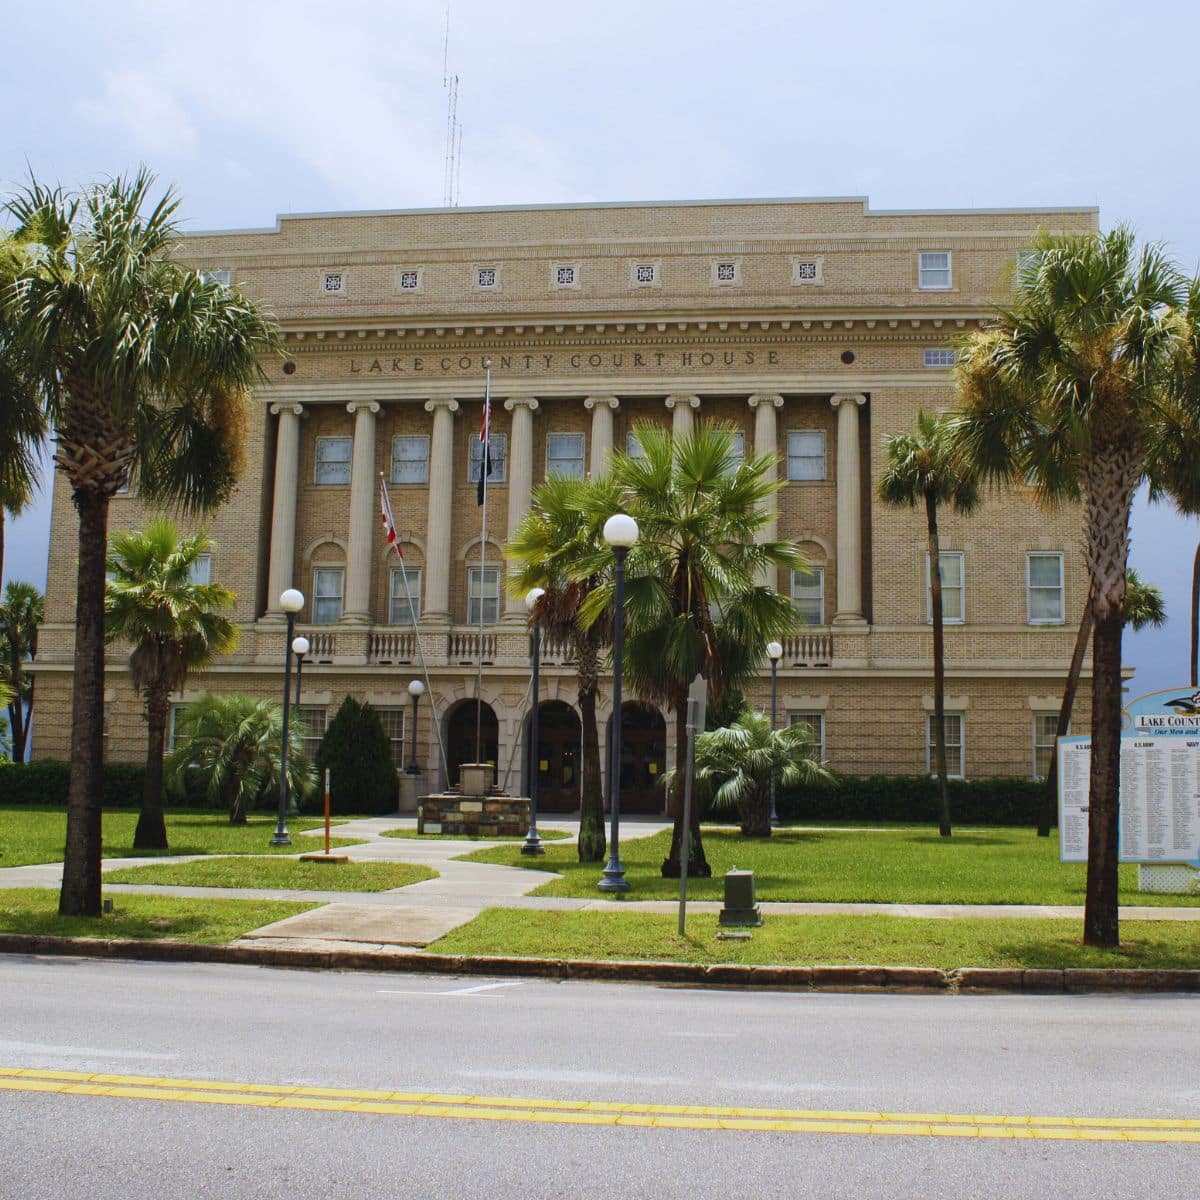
x,y
146,108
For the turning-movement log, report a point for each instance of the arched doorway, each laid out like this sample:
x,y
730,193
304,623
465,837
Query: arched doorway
x,y
558,757
460,737
643,758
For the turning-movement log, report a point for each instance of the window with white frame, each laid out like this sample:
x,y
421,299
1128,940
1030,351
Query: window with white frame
x,y
404,595
410,459
951,571
333,460
483,595
173,726
805,454
737,449
633,447
498,452
392,720
933,270
201,569
1044,588
328,585
314,720
808,594
216,275
1045,731
815,721
938,357
564,455
954,744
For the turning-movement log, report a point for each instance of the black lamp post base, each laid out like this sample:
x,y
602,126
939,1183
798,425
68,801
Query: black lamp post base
x,y
613,879
532,843
281,838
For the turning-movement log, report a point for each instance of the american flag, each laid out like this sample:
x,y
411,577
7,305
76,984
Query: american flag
x,y
389,522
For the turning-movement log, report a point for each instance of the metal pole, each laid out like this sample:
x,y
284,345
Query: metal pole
x,y
613,878
413,769
281,834
299,668
774,674
484,455
685,840
533,843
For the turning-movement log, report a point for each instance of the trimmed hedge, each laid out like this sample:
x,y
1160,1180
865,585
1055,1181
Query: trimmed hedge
x,y
358,755
44,782
886,798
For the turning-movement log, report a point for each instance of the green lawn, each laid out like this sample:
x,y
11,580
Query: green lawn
x,y
35,910
831,940
547,835
909,866
250,871
36,835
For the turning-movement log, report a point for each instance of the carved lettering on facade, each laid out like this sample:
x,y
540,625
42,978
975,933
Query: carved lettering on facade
x,y
579,360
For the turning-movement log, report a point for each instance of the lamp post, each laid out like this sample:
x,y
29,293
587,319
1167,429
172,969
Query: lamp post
x,y
533,843
774,653
416,689
300,647
291,602
620,532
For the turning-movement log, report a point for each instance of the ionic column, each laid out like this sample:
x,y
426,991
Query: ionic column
x,y
362,512
602,409
437,526
681,408
849,511
283,505
766,441
520,480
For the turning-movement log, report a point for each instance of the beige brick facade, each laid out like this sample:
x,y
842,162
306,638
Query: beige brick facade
x,y
389,318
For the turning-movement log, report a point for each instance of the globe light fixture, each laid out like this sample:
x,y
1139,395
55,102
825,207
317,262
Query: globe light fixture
x,y
416,689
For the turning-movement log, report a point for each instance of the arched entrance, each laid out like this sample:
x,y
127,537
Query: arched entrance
x,y
460,737
643,758
558,757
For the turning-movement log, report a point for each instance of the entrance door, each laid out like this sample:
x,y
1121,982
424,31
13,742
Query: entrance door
x,y
460,737
558,758
643,758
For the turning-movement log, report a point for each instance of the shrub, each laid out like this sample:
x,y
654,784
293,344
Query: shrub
x,y
44,782
358,755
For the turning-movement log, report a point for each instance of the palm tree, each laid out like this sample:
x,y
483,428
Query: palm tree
x,y
142,365
175,626
699,515
1143,606
20,615
921,468
229,746
1088,380
563,524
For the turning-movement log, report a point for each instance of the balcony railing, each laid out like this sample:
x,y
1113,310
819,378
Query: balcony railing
x,y
813,648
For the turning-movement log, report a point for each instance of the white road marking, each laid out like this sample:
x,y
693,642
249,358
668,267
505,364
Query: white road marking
x,y
78,1051
482,989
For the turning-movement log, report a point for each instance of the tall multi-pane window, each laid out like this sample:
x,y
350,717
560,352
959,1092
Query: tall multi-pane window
x,y
954,744
808,594
737,449
564,454
392,720
333,459
314,720
328,584
404,595
953,600
173,726
805,454
933,270
815,722
1045,730
633,447
410,459
483,595
1044,588
201,569
499,456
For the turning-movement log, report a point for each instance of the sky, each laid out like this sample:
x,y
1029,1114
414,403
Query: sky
x,y
260,107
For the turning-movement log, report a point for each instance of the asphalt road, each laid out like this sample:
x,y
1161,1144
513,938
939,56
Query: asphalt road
x,y
515,1048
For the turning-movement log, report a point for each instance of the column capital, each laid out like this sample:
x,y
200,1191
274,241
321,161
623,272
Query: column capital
x,y
447,404
590,402
688,401
846,397
764,398
290,406
371,406
529,402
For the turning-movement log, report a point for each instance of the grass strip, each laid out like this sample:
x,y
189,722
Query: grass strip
x,y
35,911
828,940
249,871
894,866
547,835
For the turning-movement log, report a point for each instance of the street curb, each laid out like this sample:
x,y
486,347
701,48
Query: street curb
x,y
962,981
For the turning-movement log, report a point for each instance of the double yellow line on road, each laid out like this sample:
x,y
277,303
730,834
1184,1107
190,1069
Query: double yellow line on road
x,y
600,1112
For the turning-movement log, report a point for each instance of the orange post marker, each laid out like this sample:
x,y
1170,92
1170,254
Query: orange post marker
x,y
326,810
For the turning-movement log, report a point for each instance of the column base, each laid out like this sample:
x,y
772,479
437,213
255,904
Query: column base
x,y
854,620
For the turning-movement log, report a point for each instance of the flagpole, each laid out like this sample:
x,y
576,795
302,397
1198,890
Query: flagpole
x,y
485,442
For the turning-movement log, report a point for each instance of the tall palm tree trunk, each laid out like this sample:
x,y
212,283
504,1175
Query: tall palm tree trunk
x,y
80,896
592,842
1050,794
151,831
939,665
698,866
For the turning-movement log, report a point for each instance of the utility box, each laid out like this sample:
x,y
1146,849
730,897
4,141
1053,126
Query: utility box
x,y
740,905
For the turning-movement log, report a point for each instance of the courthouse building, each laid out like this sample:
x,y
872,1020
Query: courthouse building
x,y
813,327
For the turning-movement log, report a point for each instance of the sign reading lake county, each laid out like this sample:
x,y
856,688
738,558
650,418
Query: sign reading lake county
x,y
1160,782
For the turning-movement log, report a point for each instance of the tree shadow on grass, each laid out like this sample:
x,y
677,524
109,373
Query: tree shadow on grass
x,y
964,839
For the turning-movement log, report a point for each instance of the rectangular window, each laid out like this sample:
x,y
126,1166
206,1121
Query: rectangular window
x,y
737,449
485,597
954,744
327,594
201,570
816,729
805,454
499,456
392,720
1028,262
808,594
933,270
216,275
410,459
633,447
333,460
564,454
315,720
951,571
173,726
399,599
1044,588
1045,730
940,358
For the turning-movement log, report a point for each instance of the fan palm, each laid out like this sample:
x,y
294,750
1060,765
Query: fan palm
x,y
142,365
20,615
175,626
1087,382
692,604
921,468
229,747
